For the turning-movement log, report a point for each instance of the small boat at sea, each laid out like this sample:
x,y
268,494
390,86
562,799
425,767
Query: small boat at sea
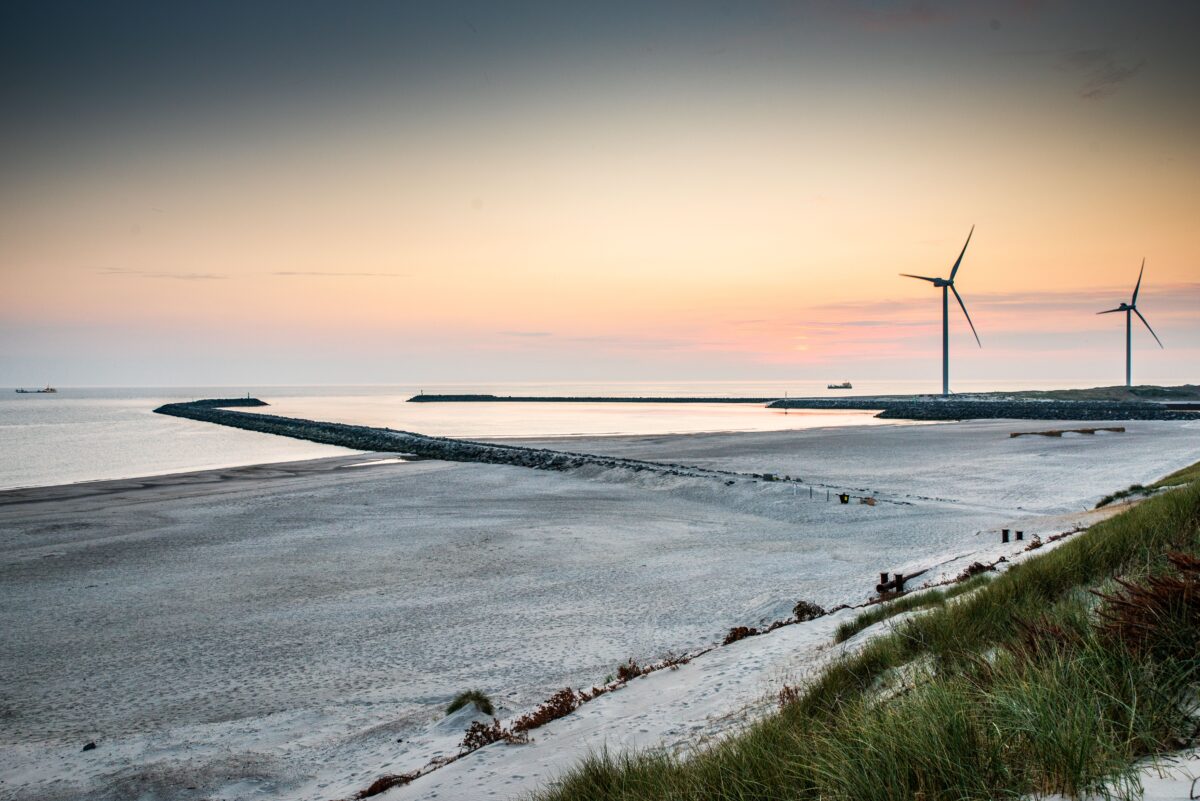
x,y
843,385
47,390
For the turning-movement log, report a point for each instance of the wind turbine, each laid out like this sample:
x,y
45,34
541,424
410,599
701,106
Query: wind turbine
x,y
1131,306
947,285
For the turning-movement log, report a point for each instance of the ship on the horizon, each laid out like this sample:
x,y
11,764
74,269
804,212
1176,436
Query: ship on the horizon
x,y
843,385
47,390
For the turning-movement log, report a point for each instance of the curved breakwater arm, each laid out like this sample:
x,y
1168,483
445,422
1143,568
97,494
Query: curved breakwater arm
x,y
367,438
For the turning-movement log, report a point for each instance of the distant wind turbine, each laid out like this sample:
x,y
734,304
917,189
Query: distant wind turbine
x,y
1131,306
947,285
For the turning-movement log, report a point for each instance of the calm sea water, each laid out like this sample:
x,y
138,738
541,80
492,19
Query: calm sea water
x,y
88,434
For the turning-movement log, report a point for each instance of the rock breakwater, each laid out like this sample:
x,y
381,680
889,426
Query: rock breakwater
x,y
478,398
367,438
936,408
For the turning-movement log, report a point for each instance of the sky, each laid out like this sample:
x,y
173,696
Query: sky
x,y
374,193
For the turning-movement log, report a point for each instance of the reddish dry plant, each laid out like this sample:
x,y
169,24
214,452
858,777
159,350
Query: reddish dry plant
x,y
630,670
673,662
1159,616
385,783
561,704
587,695
1034,544
481,734
788,696
739,633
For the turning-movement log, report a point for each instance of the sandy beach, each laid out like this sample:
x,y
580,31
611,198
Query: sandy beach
x,y
295,630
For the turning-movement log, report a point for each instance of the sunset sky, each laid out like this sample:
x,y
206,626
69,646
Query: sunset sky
x,y
366,192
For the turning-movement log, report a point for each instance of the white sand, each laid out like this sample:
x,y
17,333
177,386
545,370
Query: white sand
x,y
271,632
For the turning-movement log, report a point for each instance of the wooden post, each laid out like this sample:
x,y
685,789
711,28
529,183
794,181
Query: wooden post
x,y
1004,535
899,582
883,578
1020,536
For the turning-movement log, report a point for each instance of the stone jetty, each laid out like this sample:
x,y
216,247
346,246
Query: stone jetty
x,y
365,438
974,408
483,398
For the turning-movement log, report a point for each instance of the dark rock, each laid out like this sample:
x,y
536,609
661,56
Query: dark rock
x,y
90,747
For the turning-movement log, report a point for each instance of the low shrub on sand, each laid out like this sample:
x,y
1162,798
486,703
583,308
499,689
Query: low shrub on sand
x,y
476,697
1120,495
806,610
739,633
561,704
385,783
480,734
630,670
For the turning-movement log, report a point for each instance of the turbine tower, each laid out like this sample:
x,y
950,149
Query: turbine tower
x,y
1129,307
947,285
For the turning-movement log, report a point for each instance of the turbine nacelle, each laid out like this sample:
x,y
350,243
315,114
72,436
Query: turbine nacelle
x,y
934,281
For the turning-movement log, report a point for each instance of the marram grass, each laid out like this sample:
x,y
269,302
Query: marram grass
x,y
913,601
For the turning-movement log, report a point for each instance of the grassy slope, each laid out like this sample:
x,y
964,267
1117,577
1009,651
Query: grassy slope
x,y
907,603
1185,476
1008,691
1178,478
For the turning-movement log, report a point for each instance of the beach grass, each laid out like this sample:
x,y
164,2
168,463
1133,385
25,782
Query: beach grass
x,y
1021,687
476,697
927,599
1179,477
1133,490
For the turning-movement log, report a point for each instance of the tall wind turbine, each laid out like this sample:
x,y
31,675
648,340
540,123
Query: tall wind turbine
x,y
1129,307
947,285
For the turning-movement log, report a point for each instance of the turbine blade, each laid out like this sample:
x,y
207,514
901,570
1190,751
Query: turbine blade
x,y
1148,328
1139,284
922,277
1110,311
960,255
958,297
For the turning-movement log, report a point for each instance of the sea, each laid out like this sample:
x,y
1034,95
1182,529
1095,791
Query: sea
x,y
97,433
